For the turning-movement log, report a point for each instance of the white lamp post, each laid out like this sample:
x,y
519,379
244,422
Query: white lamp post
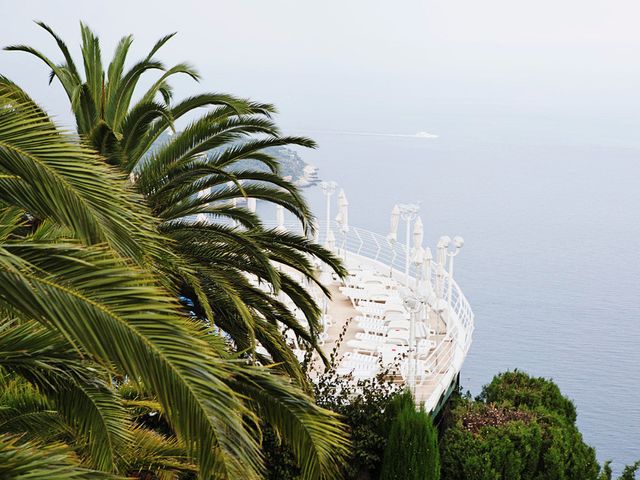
x,y
428,259
445,254
413,304
328,188
408,212
331,241
395,218
458,242
417,253
441,260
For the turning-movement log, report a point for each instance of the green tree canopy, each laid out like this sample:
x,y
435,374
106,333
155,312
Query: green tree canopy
x,y
520,428
86,307
196,182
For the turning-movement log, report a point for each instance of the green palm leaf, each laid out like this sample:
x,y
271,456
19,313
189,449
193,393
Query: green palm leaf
x,y
118,315
47,174
74,387
316,436
35,461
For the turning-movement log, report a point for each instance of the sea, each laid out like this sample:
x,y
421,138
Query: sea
x,y
551,260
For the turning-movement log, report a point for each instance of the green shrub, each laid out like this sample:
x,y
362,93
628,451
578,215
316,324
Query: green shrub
x,y
520,428
517,389
629,472
362,405
412,447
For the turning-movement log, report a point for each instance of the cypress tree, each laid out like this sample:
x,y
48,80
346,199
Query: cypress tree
x,y
412,447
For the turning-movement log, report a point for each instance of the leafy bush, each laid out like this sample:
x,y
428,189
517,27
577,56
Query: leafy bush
x,y
629,472
519,428
412,447
361,403
517,389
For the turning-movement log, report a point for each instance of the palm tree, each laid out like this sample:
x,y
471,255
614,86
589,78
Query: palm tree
x,y
80,313
202,172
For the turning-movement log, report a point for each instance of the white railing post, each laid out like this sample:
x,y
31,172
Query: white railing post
x,y
408,212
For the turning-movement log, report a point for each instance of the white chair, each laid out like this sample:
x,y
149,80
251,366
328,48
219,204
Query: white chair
x,y
368,345
373,326
398,336
398,324
360,358
370,336
370,309
358,365
358,371
392,315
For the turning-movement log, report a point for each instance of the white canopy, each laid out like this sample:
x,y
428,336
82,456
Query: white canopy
x,y
343,211
395,219
280,218
418,235
331,240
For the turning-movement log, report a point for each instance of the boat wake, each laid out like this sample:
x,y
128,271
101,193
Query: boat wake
x,y
426,135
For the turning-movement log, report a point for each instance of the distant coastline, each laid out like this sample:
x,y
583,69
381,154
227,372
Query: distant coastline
x,y
294,168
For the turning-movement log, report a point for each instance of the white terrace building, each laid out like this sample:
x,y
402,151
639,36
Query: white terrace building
x,y
399,308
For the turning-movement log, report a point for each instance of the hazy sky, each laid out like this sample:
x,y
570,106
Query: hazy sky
x,y
369,65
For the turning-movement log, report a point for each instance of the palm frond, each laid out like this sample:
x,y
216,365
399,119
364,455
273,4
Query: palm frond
x,y
316,436
74,387
70,65
93,72
50,176
116,66
123,318
21,460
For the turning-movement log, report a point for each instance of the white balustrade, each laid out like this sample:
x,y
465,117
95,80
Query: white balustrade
x,y
365,248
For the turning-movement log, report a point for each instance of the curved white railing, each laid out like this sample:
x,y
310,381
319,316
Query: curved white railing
x,y
441,292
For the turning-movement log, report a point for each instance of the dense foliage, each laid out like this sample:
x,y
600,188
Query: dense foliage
x,y
412,445
127,325
367,408
196,183
518,390
519,428
362,405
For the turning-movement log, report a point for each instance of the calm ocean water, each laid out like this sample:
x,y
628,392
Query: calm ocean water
x,y
551,263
